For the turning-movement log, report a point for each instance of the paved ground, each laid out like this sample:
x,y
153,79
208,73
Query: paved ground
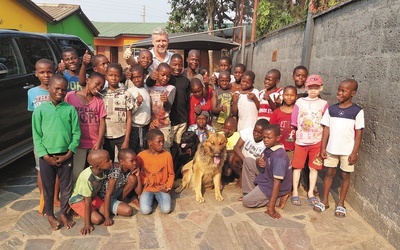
x,y
211,225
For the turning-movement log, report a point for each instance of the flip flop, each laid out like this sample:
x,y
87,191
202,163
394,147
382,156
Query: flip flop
x,y
320,207
295,200
340,212
312,201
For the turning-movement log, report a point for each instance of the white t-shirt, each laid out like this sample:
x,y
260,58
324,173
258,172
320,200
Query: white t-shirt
x,y
251,148
247,111
141,114
342,123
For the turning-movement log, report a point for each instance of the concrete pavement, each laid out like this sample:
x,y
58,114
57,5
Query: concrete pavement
x,y
211,225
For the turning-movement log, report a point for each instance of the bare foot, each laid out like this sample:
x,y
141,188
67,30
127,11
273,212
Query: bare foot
x,y
57,203
54,223
135,202
239,183
282,201
68,223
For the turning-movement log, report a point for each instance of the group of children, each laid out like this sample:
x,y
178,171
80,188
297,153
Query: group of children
x,y
77,130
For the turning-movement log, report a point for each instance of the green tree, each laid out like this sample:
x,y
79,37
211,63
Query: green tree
x,y
271,16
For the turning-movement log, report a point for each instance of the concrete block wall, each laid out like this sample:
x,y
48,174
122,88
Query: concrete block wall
x,y
360,40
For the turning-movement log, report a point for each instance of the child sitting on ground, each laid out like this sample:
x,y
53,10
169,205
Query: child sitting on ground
x,y
306,117
270,97
84,200
232,137
343,127
157,174
141,113
201,127
56,133
282,117
221,101
123,177
276,180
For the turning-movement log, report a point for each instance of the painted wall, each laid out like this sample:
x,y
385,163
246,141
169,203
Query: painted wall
x,y
357,40
73,25
16,16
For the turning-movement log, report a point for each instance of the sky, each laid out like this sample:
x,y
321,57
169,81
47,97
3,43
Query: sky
x,y
121,10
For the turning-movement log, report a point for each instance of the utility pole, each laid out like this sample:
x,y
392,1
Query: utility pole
x,y
253,27
144,14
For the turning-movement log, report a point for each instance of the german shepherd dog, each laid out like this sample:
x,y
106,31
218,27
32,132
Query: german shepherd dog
x,y
206,167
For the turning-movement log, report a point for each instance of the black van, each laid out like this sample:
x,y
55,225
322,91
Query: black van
x,y
19,52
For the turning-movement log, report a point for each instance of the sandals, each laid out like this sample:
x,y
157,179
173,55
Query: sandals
x,y
295,200
340,212
313,201
320,207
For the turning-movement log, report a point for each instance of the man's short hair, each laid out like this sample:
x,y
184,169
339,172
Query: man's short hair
x,y
159,31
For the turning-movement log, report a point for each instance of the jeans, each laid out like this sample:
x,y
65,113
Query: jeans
x,y
147,198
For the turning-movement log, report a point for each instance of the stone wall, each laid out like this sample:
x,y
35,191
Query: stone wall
x,y
360,40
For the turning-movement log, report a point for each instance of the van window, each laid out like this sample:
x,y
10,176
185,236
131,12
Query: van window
x,y
10,57
76,44
36,49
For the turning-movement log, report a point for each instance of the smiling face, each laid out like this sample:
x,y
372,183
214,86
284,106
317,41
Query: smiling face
x,y
145,59
176,65
257,133
193,59
71,60
94,84
58,88
160,43
43,72
270,81
346,91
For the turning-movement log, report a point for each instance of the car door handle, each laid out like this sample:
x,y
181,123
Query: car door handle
x,y
28,86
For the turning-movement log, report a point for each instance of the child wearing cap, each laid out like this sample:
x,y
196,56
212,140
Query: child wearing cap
x,y
306,118
201,127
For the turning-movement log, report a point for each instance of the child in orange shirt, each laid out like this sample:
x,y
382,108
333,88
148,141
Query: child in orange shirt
x,y
157,174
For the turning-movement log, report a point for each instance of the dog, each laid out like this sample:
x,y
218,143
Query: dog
x,y
187,150
206,167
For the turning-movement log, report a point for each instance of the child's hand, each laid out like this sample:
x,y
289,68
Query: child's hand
x,y
128,52
139,99
86,58
135,172
61,66
61,158
197,109
154,75
260,161
164,97
266,96
128,73
224,108
108,222
352,158
271,212
323,154
97,145
213,79
51,160
278,99
87,230
235,97
251,96
125,144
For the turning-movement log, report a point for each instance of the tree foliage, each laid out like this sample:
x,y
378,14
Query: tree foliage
x,y
198,15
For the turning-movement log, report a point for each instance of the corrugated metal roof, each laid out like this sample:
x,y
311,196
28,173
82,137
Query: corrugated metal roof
x,y
114,29
59,11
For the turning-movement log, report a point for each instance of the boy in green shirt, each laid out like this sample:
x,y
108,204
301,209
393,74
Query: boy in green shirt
x,y
56,134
